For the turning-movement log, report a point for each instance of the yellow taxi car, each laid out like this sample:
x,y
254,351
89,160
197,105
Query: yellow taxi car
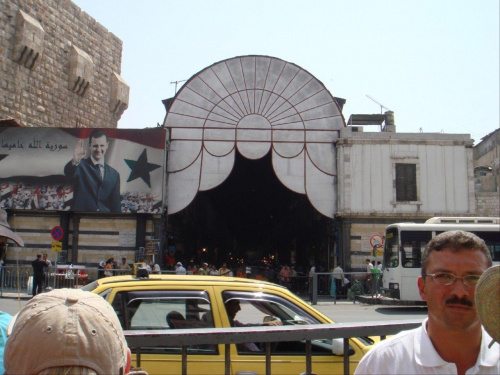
x,y
191,301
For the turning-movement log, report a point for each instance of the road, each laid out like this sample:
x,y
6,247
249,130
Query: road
x,y
347,312
341,312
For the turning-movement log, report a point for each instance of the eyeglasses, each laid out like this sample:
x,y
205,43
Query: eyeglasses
x,y
449,278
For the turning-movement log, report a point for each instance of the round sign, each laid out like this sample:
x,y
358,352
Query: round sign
x,y
377,240
57,233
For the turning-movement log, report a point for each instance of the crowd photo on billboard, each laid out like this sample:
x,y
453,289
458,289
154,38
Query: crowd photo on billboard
x,y
82,170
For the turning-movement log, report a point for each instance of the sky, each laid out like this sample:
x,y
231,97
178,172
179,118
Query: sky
x,y
434,63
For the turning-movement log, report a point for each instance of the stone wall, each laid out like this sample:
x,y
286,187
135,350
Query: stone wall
x,y
58,66
488,204
98,238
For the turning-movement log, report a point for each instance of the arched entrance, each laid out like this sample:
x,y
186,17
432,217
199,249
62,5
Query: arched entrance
x,y
257,107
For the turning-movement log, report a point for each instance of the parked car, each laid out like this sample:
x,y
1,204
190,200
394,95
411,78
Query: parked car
x,y
191,301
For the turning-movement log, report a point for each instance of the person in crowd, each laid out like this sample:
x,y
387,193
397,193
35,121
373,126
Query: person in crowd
x,y
191,270
451,340
5,319
232,308
38,266
67,331
224,271
109,267
124,265
368,276
101,269
203,270
47,261
285,274
179,269
214,271
155,268
96,185
338,278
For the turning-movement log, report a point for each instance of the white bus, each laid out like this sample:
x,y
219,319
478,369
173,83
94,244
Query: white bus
x,y
405,243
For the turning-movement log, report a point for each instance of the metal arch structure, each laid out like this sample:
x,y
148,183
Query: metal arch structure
x,y
255,105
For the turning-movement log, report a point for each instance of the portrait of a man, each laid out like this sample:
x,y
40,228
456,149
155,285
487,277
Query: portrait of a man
x,y
96,185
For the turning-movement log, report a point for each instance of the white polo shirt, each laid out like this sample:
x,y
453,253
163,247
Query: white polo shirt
x,y
412,352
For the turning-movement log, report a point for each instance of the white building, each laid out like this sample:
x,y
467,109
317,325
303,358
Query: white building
x,y
386,177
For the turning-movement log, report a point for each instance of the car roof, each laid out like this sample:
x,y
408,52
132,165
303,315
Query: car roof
x,y
191,279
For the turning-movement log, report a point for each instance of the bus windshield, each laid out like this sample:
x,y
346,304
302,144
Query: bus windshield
x,y
391,255
410,253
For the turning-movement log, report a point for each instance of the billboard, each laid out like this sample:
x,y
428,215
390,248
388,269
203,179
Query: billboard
x,y
84,170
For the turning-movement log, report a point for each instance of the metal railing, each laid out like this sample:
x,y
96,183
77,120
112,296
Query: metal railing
x,y
18,279
184,338
360,283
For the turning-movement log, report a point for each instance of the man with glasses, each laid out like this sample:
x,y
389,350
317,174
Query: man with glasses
x,y
451,340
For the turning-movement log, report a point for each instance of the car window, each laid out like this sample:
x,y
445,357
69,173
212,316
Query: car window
x,y
148,310
255,309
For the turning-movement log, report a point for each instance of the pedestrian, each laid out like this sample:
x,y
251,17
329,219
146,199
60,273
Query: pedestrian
x,y
101,269
5,319
203,270
451,340
108,267
224,271
338,277
67,331
38,274
47,261
285,273
124,265
214,271
179,269
155,268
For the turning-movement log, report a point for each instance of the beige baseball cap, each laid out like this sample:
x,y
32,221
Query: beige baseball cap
x,y
66,327
488,301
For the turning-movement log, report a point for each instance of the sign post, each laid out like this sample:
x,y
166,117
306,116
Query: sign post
x,y
376,242
57,234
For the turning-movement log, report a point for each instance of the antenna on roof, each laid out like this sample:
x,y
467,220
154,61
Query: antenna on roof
x,y
380,104
176,83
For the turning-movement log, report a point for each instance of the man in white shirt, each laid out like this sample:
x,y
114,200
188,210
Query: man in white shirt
x,y
179,269
451,340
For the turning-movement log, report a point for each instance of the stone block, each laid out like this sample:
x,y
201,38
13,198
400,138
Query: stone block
x,y
29,37
119,94
81,71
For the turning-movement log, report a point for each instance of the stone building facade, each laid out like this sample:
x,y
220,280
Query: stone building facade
x,y
59,67
487,174
387,177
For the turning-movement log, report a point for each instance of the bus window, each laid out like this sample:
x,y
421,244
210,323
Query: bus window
x,y
412,245
492,240
391,255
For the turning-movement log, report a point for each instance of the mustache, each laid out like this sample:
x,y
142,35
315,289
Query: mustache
x,y
459,301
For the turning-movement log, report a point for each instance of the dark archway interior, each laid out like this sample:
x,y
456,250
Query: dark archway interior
x,y
251,217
